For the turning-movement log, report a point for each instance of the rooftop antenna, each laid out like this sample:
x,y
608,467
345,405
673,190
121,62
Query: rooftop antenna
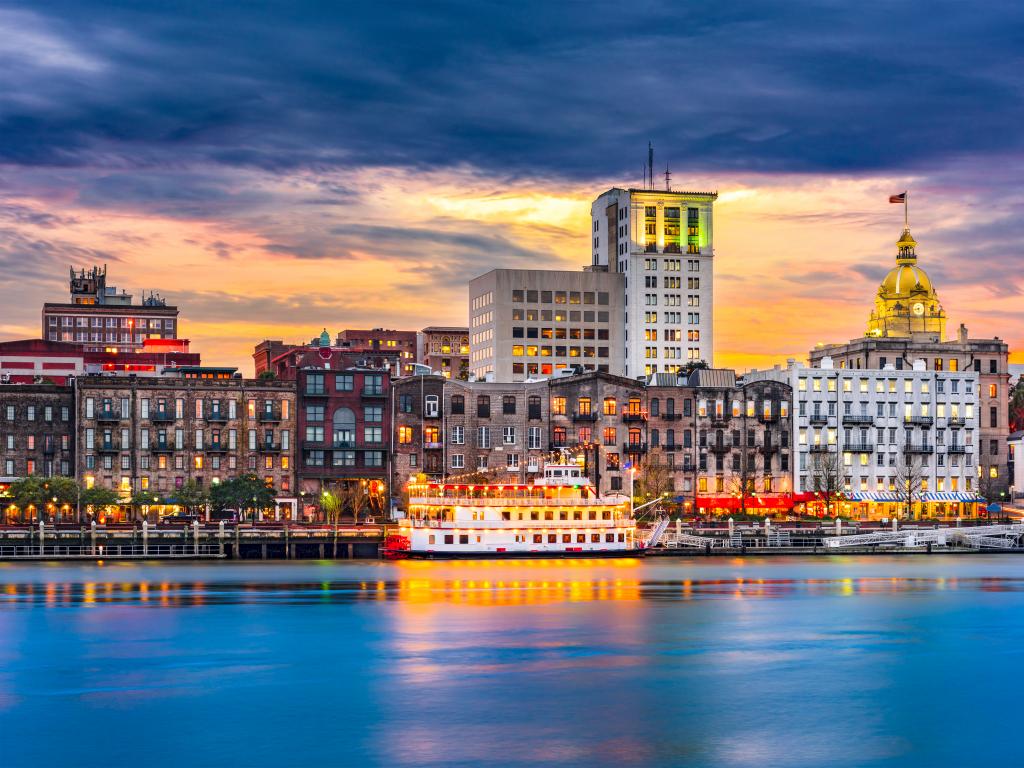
x,y
668,179
650,164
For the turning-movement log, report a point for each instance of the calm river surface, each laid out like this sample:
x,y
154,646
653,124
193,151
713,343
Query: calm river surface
x,y
712,662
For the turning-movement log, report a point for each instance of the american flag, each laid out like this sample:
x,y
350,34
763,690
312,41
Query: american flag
x,y
900,198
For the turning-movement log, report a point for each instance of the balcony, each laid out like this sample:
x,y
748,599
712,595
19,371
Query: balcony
x,y
920,421
818,418
671,447
314,392
268,447
107,414
651,248
720,447
372,393
819,448
766,418
49,450
634,447
161,447
106,446
671,416
343,444
960,449
919,448
630,416
859,448
217,448
858,418
956,421
269,415
591,416
672,248
432,446
161,415
217,417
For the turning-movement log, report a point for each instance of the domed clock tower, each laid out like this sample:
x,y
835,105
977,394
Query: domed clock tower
x,y
907,305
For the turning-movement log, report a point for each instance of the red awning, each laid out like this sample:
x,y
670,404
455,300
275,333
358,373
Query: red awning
x,y
782,501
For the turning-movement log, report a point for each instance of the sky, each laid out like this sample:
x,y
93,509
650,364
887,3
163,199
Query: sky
x,y
279,168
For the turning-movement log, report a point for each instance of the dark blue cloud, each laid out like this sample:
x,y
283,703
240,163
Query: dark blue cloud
x,y
531,88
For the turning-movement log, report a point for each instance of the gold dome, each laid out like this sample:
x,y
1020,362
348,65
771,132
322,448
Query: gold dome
x,y
905,279
906,303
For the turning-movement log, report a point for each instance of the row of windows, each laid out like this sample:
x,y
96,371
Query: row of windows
x,y
163,462
318,458
559,315
535,350
41,412
161,438
519,332
372,383
46,442
32,466
162,407
559,297
139,323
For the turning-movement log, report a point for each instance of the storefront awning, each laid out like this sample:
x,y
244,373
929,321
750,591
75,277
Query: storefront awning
x,y
783,501
872,496
950,496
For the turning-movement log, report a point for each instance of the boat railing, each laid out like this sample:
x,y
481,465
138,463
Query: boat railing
x,y
451,525
510,501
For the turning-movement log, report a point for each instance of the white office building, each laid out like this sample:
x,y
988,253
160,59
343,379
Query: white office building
x,y
662,241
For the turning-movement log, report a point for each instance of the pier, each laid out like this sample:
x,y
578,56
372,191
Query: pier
x,y
197,541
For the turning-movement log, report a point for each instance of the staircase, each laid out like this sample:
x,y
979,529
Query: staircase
x,y
656,533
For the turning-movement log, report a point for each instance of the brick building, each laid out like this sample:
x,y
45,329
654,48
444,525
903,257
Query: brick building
x,y
403,343
138,434
343,418
448,428
445,350
36,431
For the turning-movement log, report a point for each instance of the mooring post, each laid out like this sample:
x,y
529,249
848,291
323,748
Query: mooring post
x,y
93,537
145,537
195,532
220,536
42,536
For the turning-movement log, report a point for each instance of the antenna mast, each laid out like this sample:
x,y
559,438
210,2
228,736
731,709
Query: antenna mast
x,y
650,164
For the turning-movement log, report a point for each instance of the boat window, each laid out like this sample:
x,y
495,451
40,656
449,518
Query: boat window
x,y
549,515
449,539
581,538
567,538
552,538
463,538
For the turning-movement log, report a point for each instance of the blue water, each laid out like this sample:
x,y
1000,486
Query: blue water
x,y
748,662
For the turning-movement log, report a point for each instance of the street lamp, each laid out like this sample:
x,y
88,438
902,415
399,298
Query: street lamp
x,y
55,510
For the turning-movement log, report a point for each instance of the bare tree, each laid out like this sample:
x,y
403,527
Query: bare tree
x,y
653,478
909,482
356,499
331,504
827,479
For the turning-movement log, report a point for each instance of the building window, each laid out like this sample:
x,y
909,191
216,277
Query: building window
x,y
458,405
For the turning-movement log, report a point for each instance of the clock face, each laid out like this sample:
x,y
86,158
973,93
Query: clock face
x,y
918,308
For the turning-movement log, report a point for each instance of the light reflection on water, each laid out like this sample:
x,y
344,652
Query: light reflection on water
x,y
745,662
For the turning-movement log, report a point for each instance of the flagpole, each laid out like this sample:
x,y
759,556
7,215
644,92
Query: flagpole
x,y
906,213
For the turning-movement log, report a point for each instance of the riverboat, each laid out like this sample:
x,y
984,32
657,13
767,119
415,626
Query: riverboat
x,y
559,515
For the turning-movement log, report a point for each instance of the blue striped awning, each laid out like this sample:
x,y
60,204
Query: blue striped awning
x,y
949,496
873,496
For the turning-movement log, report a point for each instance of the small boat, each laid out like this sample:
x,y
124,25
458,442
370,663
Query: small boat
x,y
559,515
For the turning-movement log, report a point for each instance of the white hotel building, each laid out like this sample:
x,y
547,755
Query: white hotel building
x,y
877,422
662,241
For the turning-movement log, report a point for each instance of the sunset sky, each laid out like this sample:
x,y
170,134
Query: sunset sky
x,y
277,170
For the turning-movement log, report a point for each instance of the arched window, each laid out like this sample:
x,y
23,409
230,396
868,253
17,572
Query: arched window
x,y
344,425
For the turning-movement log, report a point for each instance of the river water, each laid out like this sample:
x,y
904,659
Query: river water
x,y
843,661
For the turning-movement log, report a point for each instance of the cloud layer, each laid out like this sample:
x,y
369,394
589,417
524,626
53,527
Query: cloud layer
x,y
297,165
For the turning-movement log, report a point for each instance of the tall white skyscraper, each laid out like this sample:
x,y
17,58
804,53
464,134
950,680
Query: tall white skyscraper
x,y
662,241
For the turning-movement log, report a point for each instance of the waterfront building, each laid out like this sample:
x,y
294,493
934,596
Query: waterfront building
x,y
343,420
98,318
875,429
603,419
445,349
908,324
527,323
137,434
743,443
662,243
37,429
446,428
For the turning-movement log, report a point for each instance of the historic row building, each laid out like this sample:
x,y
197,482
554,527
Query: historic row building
x,y
708,441
136,434
37,428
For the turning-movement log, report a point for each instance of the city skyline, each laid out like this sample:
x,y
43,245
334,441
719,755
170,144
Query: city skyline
x,y
296,197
